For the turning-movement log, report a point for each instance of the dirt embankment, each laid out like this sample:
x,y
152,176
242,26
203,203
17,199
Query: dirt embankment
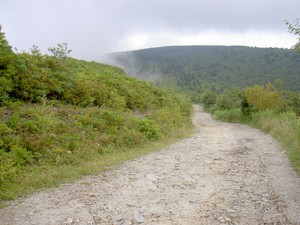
x,y
224,174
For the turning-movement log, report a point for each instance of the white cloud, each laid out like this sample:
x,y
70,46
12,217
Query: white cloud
x,y
137,40
210,37
248,38
93,27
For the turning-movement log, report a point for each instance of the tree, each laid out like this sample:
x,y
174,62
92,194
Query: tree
x,y
208,99
3,41
261,98
230,99
5,50
295,29
61,51
7,70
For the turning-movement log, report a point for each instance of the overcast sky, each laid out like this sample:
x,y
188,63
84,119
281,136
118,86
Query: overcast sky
x,y
95,27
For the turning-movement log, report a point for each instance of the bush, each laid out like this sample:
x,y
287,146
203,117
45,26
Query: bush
x,y
262,98
229,99
20,155
285,127
266,107
8,168
58,112
148,128
230,115
208,99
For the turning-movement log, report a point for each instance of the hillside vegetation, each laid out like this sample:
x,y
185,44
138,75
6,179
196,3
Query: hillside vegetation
x,y
61,117
256,86
267,107
194,69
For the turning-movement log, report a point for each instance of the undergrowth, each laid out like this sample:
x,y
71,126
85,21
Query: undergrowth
x,y
267,108
61,118
285,127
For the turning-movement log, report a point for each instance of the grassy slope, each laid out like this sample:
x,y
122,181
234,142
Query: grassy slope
x,y
281,120
284,126
64,118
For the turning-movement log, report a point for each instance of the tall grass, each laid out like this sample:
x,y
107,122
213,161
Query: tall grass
x,y
230,115
283,126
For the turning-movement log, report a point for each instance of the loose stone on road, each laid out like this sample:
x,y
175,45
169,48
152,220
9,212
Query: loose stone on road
x,y
224,174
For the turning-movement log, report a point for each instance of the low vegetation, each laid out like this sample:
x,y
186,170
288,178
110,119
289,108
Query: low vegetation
x,y
232,82
61,118
266,107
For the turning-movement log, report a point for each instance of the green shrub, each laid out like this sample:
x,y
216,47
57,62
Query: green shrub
x,y
148,128
231,115
208,99
266,107
229,99
262,98
58,114
4,129
20,155
8,168
283,126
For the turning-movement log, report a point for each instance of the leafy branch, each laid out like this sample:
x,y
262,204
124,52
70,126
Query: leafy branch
x,y
61,51
295,29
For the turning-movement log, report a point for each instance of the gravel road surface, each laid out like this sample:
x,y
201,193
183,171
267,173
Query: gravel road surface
x,y
224,174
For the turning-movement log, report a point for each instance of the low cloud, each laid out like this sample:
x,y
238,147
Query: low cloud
x,y
210,37
95,27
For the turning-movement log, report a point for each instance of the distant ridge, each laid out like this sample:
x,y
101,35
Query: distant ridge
x,y
196,68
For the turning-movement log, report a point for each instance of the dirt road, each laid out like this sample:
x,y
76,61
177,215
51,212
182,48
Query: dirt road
x,y
224,174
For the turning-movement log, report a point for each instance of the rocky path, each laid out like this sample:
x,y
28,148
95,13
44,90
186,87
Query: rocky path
x,y
224,174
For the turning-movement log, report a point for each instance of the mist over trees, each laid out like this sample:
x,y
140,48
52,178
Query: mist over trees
x,y
198,68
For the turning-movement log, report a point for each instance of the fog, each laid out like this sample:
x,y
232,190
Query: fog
x,y
95,27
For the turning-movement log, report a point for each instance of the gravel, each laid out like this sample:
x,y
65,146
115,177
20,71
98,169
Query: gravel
x,y
224,174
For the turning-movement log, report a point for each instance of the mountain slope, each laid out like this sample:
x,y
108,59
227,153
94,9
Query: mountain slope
x,y
61,118
195,68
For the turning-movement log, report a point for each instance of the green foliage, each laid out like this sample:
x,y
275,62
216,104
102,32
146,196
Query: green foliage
x,y
262,98
208,99
148,128
7,70
194,69
61,51
266,107
4,45
293,102
206,74
7,168
285,127
58,112
229,99
295,29
20,155
233,115
4,130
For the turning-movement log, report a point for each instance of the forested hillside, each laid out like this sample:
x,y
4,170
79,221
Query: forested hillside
x,y
61,117
198,68
256,86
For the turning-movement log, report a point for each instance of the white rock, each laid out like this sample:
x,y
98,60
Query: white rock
x,y
118,218
151,177
138,217
69,221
